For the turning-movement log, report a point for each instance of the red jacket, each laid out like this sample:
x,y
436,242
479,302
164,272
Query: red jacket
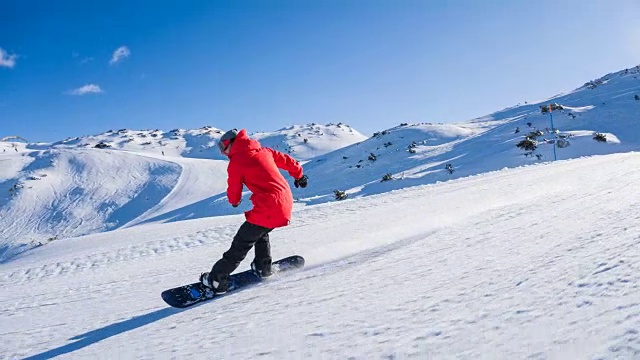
x,y
256,167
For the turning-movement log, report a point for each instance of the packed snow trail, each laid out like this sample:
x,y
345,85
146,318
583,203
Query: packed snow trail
x,y
534,262
199,181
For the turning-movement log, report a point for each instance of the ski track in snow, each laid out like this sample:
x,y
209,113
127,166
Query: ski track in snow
x,y
96,259
537,262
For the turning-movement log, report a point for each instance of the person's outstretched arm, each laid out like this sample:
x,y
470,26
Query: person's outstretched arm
x,y
287,163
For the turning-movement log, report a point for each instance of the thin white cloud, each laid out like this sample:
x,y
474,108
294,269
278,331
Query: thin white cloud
x,y
120,54
81,60
7,60
87,89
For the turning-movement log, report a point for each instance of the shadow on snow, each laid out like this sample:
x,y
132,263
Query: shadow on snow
x,y
95,336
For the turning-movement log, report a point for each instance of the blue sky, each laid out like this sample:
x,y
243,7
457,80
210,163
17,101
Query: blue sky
x,y
267,64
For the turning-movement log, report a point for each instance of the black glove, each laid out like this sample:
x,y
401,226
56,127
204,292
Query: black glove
x,y
302,182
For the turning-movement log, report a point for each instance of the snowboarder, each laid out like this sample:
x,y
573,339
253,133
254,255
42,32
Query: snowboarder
x,y
256,167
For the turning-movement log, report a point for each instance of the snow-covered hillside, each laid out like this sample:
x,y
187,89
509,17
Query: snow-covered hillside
x,y
520,263
122,178
301,141
308,141
413,154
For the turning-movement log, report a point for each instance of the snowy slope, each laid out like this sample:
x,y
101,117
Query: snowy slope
x,y
416,154
198,143
63,193
519,263
308,141
72,188
300,141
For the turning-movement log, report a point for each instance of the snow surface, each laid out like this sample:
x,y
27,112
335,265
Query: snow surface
x,y
533,262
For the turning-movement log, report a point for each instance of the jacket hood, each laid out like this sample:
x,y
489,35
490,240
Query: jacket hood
x,y
243,144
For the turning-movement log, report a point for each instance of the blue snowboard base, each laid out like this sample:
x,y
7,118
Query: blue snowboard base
x,y
187,295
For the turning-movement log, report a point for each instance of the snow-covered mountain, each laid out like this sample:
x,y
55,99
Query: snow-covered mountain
x,y
125,178
121,178
301,141
413,154
304,142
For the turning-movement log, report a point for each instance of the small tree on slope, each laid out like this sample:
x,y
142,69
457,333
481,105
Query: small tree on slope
x,y
340,195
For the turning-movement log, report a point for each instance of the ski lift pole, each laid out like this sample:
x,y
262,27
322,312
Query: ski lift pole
x,y
555,139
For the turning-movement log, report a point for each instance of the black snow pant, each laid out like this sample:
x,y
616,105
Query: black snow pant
x,y
248,235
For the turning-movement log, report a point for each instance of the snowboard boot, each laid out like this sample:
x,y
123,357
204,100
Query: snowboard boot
x,y
218,284
262,268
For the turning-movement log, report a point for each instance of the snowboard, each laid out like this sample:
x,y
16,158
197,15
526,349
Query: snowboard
x,y
187,295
